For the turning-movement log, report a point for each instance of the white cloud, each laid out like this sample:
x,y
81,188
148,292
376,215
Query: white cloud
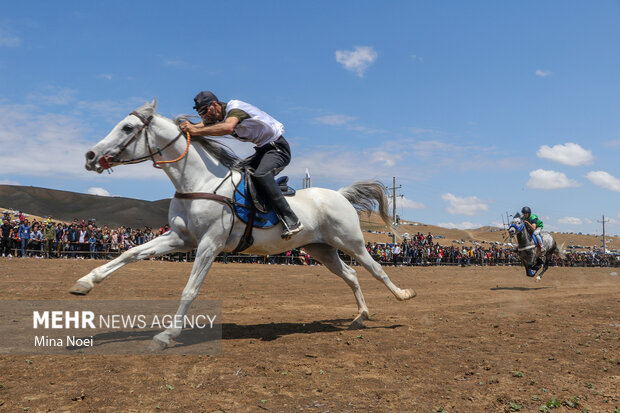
x,y
543,73
387,159
8,182
402,202
604,180
358,60
111,110
570,221
8,39
106,76
52,95
470,205
346,122
543,179
45,144
462,225
614,143
95,190
335,119
179,63
568,154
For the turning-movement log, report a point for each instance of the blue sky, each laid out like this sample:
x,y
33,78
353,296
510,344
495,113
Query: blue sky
x,y
477,108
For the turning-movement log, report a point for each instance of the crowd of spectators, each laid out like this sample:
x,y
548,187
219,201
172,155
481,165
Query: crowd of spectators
x,y
85,239
420,250
78,239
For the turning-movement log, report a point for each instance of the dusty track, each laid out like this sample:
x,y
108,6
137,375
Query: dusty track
x,y
474,340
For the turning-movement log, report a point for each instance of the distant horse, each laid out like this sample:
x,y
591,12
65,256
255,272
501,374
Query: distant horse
x,y
202,215
528,251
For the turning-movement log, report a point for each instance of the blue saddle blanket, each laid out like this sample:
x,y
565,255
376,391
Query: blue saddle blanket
x,y
244,206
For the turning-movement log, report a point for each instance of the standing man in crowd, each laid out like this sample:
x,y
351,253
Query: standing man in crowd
x,y
396,254
50,237
24,236
5,241
250,124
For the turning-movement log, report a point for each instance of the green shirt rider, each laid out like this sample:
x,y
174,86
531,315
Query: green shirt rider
x,y
535,226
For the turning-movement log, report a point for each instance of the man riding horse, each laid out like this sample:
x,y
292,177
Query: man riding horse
x,y
535,226
250,124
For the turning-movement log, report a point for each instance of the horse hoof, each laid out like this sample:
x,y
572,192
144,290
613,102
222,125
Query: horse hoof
x,y
157,345
406,294
537,279
357,324
81,288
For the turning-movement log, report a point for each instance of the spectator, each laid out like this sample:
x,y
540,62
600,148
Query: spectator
x,y
36,239
24,236
5,241
50,237
92,245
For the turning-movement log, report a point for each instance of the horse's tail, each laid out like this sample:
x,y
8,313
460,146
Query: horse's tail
x,y
364,195
561,253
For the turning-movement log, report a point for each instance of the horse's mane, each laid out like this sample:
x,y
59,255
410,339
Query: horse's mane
x,y
218,150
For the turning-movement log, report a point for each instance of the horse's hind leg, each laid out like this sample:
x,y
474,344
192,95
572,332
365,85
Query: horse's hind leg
x,y
359,252
545,267
328,256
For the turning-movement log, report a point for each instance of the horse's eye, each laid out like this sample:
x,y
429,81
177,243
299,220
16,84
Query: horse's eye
x,y
127,128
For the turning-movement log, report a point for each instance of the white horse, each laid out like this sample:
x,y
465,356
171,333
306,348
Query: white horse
x,y
531,259
209,224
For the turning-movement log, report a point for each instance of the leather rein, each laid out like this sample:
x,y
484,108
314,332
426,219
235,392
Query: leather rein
x,y
107,161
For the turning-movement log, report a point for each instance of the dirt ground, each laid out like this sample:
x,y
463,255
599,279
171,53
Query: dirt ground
x,y
473,340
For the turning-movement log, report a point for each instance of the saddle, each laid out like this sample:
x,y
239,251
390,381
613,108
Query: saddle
x,y
253,209
256,198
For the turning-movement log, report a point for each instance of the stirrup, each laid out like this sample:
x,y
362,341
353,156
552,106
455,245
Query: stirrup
x,y
289,232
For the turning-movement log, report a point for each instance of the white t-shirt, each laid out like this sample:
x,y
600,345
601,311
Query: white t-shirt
x,y
260,129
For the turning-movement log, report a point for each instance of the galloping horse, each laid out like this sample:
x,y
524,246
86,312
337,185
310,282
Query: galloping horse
x,y
206,221
527,248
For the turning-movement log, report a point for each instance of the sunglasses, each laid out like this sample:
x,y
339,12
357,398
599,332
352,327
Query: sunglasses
x,y
203,110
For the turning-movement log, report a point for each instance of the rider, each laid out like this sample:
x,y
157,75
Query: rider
x,y
249,124
535,226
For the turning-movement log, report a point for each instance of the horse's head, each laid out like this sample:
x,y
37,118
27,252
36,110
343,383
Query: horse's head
x,y
127,142
516,225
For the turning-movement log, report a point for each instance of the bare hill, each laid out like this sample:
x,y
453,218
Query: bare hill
x,y
64,206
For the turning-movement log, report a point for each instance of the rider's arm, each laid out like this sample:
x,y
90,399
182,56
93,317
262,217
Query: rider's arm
x,y
217,129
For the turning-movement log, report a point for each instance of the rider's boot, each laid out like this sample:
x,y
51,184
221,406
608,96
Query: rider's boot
x,y
272,192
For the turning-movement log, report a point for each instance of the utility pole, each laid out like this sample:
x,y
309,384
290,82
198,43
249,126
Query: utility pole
x,y
604,240
394,188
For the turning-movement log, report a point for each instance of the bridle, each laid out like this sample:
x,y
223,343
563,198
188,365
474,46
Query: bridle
x,y
517,228
106,161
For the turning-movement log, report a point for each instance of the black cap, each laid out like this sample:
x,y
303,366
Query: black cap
x,y
204,98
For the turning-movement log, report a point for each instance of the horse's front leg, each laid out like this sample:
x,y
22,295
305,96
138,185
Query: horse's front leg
x,y
208,248
165,244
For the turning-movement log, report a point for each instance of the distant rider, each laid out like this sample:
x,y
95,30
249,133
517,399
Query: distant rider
x,y
535,227
250,124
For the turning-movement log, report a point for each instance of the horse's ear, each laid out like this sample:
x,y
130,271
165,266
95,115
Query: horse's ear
x,y
154,104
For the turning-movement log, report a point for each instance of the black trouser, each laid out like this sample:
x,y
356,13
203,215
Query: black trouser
x,y
272,157
5,246
268,161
